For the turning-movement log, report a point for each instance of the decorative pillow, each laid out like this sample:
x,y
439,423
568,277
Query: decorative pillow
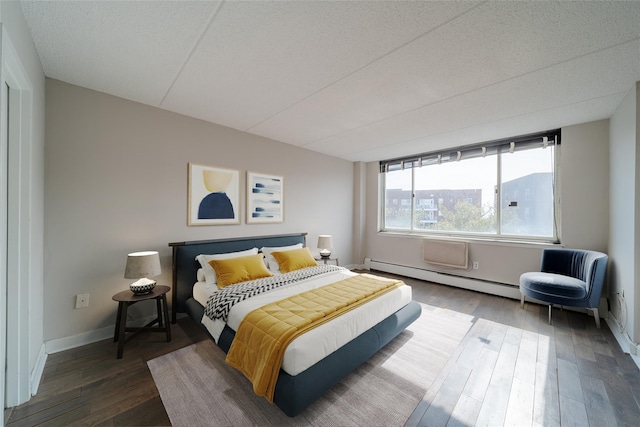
x,y
209,274
294,259
200,275
241,269
272,264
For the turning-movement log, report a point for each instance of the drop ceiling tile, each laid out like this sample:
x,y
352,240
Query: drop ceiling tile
x,y
259,58
556,117
129,49
492,43
351,79
609,73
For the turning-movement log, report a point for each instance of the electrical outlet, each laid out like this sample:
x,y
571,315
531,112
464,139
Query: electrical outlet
x,y
476,265
82,300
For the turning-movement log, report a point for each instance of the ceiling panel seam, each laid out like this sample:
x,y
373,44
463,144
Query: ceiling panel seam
x,y
476,89
204,31
373,61
445,132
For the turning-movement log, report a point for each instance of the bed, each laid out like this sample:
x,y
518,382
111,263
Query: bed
x,y
293,392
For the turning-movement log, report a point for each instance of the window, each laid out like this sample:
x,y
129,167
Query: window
x,y
501,189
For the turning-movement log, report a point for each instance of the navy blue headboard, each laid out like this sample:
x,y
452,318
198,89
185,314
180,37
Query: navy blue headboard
x,y
185,265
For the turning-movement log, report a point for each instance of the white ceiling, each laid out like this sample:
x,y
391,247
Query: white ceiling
x,y
359,80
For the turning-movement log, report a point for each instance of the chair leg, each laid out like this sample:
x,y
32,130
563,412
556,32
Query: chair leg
x,y
522,301
549,313
597,316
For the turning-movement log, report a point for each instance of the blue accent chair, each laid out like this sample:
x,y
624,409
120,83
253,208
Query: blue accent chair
x,y
567,277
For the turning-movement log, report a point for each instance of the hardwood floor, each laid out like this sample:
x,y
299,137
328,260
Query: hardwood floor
x,y
515,369
89,386
512,368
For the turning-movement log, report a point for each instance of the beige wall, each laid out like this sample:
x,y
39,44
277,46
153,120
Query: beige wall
x,y
625,215
116,182
584,214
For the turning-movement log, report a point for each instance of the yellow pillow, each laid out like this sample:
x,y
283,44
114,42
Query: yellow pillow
x,y
241,269
294,259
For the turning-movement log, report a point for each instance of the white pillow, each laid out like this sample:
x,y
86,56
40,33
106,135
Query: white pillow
x,y
272,264
209,272
200,275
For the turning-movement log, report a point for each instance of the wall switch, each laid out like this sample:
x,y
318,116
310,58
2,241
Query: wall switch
x,y
476,265
82,300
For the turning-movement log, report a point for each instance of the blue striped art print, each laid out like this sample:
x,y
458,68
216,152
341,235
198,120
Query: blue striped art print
x,y
264,198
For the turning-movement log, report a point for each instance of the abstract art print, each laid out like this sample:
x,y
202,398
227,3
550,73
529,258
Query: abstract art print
x,y
265,198
214,195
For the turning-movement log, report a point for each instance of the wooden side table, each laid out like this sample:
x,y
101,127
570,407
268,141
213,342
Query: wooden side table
x,y
326,260
128,298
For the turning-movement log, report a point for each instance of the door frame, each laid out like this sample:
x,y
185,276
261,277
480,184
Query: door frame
x,y
16,115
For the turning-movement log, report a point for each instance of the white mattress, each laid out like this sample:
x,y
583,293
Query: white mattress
x,y
311,347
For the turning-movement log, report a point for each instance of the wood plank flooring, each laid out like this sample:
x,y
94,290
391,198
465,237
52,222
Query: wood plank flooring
x,y
89,386
514,369
511,369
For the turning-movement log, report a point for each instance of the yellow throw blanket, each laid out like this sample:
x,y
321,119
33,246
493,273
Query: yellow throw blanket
x,y
264,334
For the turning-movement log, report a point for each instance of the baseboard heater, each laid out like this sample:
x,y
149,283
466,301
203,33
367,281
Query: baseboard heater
x,y
446,253
479,285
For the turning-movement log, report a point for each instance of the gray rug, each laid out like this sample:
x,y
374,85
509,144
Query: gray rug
x,y
198,389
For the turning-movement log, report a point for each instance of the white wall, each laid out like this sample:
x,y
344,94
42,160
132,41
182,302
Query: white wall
x,y
116,182
359,210
585,186
584,214
32,206
625,214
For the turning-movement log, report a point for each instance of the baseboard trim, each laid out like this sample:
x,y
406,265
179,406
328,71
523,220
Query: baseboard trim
x,y
625,343
488,287
67,343
89,337
38,369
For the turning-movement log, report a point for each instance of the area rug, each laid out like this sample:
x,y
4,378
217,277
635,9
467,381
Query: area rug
x,y
199,389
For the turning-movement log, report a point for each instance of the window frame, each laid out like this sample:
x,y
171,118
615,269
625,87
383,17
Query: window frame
x,y
497,148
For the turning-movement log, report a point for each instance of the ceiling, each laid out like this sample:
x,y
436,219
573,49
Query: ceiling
x,y
358,80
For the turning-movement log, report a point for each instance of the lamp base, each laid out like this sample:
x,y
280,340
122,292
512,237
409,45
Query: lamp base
x,y
325,253
142,286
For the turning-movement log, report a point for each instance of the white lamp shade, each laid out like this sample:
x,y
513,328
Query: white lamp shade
x,y
142,264
325,241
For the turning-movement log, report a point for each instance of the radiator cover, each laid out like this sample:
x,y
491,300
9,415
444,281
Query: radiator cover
x,y
446,253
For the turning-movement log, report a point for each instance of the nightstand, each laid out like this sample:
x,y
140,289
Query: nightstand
x,y
128,298
328,259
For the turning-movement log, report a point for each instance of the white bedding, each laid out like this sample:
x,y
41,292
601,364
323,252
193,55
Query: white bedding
x,y
314,345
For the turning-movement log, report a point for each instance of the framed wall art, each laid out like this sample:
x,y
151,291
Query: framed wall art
x,y
265,198
214,195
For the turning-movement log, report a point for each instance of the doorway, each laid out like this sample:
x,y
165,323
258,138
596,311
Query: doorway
x,y
15,225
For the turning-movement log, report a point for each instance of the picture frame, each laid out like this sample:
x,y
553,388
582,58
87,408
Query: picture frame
x,y
265,198
214,195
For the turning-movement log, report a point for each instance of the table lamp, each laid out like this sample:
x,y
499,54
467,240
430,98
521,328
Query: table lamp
x,y
325,244
141,265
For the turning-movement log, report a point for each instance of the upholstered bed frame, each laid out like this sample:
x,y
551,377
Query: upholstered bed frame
x,y
293,393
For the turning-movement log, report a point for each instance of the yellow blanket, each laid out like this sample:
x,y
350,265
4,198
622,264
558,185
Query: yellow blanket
x,y
264,334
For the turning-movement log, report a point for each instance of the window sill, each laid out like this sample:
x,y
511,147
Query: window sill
x,y
488,240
